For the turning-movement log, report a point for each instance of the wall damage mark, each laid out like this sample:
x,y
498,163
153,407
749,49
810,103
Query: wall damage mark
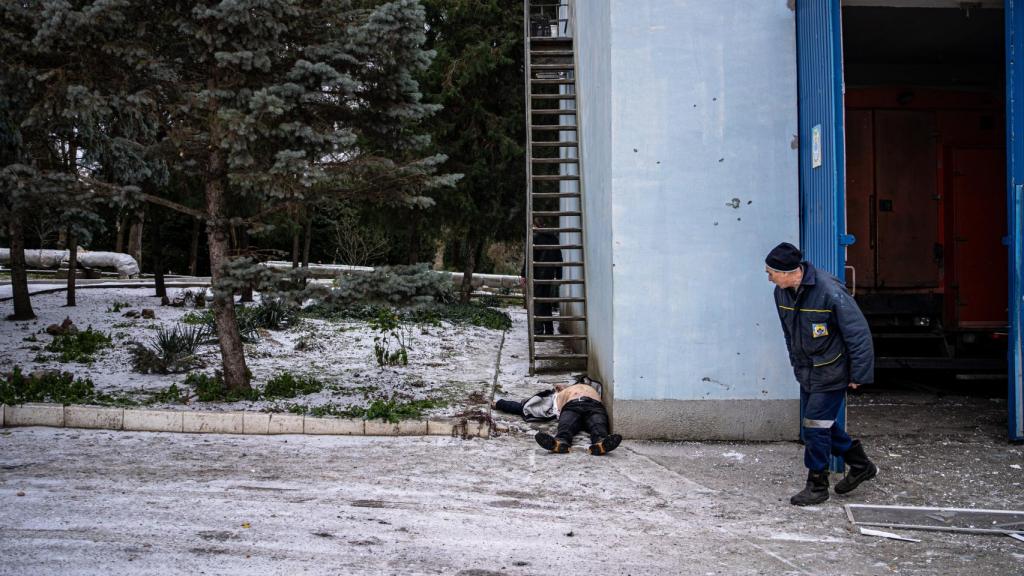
x,y
713,381
734,203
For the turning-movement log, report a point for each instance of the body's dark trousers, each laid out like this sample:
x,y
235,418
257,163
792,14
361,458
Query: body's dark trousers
x,y
582,414
509,406
821,434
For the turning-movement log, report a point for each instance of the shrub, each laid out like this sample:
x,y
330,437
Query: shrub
x,y
78,346
286,385
212,389
389,345
118,306
416,284
197,318
45,386
172,395
393,411
271,314
171,351
472,314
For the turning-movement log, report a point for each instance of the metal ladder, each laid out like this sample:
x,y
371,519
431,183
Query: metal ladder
x,y
554,201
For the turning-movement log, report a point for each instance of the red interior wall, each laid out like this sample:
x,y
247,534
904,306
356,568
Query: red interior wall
x,y
903,145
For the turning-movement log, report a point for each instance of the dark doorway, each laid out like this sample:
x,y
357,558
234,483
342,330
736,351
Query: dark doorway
x,y
925,187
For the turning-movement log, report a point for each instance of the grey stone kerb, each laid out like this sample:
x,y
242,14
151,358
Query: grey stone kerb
x,y
192,422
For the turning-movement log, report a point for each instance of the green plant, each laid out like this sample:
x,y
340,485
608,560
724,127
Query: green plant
x,y
45,386
272,314
118,306
212,389
194,318
389,344
79,346
170,351
473,314
393,410
30,338
287,385
171,395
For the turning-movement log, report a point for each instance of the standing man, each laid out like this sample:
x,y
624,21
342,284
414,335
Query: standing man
x,y
830,348
542,290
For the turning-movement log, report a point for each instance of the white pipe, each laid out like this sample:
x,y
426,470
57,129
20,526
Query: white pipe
x,y
125,265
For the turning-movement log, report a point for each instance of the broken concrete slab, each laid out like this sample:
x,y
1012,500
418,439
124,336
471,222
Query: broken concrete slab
x,y
94,417
440,428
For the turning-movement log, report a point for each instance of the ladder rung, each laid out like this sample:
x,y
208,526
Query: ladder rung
x,y
551,66
558,264
553,96
553,213
557,246
556,229
554,127
559,299
559,144
560,357
543,195
539,337
559,282
552,53
560,318
553,112
558,39
563,81
555,160
554,178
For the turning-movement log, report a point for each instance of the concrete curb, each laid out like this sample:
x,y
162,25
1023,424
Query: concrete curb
x,y
189,422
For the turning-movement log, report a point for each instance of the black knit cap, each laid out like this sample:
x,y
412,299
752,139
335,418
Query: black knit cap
x,y
785,258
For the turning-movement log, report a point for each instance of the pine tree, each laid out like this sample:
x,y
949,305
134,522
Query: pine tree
x,y
477,77
275,99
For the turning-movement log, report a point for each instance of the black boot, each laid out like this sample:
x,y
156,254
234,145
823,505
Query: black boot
x,y
861,469
605,445
815,492
549,442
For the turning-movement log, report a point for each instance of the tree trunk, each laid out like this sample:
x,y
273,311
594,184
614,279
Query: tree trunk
x,y
308,235
243,239
193,257
19,275
473,248
218,237
295,246
72,265
135,237
439,254
158,257
119,233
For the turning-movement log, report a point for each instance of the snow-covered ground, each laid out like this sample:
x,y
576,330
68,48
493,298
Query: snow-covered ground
x,y
454,363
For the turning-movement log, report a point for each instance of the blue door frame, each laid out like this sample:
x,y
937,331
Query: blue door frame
x,y
823,237
819,58
1014,14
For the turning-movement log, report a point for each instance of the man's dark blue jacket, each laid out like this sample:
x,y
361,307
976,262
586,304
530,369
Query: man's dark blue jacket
x,y
828,338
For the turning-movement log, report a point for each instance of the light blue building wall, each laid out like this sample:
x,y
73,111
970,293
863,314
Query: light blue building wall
x,y
688,112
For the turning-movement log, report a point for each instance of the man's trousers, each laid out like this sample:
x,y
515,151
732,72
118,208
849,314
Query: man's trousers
x,y
821,434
